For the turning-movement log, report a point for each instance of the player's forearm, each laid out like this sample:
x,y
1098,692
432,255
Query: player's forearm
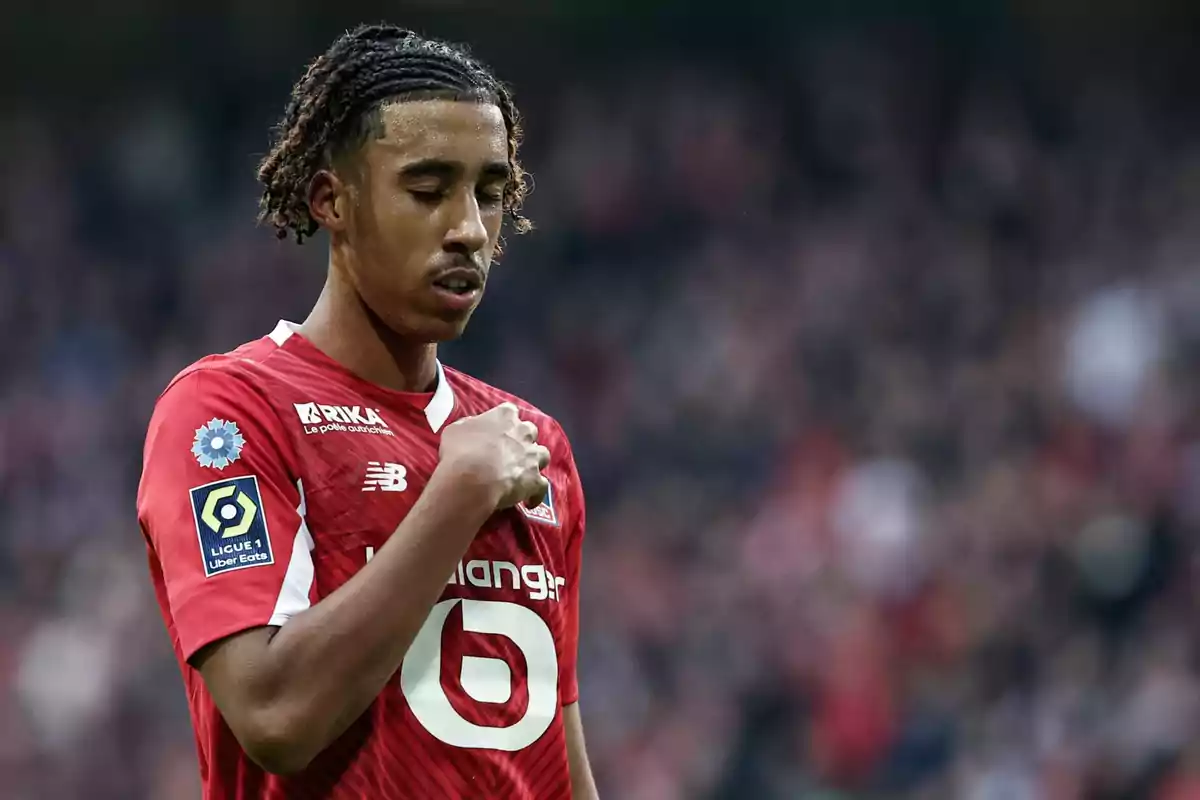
x,y
329,663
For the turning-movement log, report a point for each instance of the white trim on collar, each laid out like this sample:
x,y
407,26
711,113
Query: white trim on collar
x,y
283,331
442,403
437,410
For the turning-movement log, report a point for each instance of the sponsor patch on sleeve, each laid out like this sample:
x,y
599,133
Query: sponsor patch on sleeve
x,y
231,525
544,512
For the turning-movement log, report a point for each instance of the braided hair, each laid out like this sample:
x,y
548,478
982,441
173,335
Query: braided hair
x,y
337,105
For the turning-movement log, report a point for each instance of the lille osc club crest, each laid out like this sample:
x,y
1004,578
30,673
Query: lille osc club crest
x,y
543,513
218,443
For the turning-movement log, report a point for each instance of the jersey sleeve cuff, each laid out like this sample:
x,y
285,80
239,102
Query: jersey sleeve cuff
x,y
199,627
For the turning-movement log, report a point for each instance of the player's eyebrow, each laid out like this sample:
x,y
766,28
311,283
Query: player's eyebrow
x,y
452,170
496,171
432,168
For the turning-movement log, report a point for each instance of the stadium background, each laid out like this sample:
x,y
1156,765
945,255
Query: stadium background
x,y
876,331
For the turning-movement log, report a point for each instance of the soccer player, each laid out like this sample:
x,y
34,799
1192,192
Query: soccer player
x,y
368,563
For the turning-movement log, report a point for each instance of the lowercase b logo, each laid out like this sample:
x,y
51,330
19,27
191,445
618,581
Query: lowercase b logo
x,y
483,679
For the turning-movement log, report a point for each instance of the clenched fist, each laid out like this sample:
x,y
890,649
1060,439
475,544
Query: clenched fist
x,y
500,451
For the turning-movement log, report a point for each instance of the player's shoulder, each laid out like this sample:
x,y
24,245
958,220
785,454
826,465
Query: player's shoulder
x,y
241,376
223,372
476,396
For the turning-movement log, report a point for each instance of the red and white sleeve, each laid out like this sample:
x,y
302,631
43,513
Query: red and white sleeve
x,y
222,510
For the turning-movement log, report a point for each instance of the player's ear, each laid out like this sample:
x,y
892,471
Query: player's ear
x,y
329,200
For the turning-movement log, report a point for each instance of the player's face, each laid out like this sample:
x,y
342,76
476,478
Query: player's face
x,y
428,213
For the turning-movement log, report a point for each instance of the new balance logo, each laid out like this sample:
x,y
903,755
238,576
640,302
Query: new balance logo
x,y
319,418
386,477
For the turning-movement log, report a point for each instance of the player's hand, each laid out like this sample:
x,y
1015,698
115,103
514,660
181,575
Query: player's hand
x,y
500,450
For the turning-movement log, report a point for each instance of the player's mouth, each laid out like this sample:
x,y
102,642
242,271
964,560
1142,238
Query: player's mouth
x,y
459,287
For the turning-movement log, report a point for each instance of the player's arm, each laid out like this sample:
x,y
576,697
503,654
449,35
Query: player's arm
x,y
583,785
287,692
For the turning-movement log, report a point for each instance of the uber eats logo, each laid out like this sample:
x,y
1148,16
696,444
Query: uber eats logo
x,y
231,525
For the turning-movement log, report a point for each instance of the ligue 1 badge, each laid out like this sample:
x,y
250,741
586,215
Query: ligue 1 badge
x,y
231,525
218,443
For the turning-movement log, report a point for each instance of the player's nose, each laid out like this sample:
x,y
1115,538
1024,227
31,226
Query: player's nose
x,y
468,231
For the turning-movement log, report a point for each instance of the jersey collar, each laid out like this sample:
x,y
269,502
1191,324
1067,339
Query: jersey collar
x,y
437,410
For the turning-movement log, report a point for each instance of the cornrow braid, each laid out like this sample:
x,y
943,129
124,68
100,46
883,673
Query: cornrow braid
x,y
335,105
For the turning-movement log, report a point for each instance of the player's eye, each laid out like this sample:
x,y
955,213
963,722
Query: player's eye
x,y
427,195
491,195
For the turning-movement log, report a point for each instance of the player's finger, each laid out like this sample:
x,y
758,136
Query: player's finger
x,y
543,457
506,410
539,495
529,431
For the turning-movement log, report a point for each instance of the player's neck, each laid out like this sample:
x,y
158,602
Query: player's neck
x,y
340,326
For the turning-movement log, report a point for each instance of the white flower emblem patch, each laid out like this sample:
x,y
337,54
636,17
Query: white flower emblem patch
x,y
218,443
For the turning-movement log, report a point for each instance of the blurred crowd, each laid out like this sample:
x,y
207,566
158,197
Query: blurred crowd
x,y
883,382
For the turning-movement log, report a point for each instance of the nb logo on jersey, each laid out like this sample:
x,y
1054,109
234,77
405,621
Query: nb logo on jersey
x,y
385,477
319,418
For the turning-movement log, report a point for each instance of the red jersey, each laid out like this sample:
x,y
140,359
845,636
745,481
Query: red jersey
x,y
271,475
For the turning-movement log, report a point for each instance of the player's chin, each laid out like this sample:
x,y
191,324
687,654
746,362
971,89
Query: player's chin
x,y
447,330
426,320
445,326
448,320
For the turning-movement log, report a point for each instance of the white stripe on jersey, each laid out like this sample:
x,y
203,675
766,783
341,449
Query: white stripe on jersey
x,y
298,581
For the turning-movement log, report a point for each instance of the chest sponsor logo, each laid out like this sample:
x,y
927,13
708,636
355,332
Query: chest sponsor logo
x,y
487,681
231,525
385,476
535,579
319,418
539,582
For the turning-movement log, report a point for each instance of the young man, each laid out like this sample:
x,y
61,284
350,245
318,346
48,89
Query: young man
x,y
368,564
